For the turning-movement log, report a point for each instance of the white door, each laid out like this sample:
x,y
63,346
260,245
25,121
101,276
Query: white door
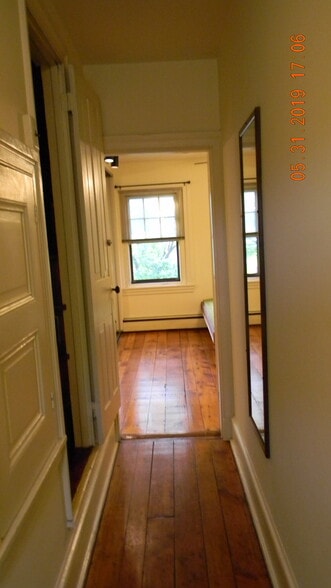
x,y
29,384
86,136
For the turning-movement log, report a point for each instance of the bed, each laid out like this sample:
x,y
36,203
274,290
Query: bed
x,y
207,307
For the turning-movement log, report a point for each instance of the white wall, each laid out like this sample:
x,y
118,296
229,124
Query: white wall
x,y
169,300
162,97
157,99
255,70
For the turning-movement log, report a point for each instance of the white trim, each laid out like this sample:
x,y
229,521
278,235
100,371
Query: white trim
x,y
165,288
159,325
29,118
69,251
210,142
88,514
200,141
273,549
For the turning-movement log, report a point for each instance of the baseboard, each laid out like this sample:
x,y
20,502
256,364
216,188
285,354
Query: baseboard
x,y
159,324
87,515
279,568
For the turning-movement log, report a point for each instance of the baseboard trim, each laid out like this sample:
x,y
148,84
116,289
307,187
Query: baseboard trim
x,y
279,567
87,515
162,323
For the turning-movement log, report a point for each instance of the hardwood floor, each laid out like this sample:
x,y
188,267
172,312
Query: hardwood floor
x,y
168,383
176,516
255,337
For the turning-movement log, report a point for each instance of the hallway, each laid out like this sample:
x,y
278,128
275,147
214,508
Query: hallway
x,y
176,515
168,383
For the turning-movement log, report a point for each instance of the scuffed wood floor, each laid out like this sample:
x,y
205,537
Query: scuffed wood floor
x,y
168,383
176,516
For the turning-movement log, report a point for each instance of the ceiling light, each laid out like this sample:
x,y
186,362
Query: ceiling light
x,y
113,160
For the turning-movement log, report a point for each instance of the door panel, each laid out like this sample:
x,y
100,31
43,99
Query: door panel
x,y
28,373
86,132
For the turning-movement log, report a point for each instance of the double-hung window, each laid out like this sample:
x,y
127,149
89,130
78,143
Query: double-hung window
x,y
251,231
152,225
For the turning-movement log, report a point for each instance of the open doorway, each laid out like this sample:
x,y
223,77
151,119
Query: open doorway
x,y
167,363
77,455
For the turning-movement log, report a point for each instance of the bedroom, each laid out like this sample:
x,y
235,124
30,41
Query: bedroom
x,y
164,305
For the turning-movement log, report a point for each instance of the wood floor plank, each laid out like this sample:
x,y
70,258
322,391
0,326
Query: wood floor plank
x,y
174,514
174,372
218,556
132,564
159,557
159,561
108,551
248,564
190,562
161,501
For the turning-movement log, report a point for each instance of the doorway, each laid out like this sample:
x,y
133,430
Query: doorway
x,y
167,359
77,456
210,143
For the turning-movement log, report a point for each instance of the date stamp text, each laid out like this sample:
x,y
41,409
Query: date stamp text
x,y
297,103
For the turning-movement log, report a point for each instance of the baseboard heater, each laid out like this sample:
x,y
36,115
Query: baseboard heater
x,y
162,318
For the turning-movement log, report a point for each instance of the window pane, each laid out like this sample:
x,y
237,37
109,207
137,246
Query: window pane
x,y
251,255
251,223
151,262
168,227
151,206
167,206
159,214
152,228
138,229
250,201
136,208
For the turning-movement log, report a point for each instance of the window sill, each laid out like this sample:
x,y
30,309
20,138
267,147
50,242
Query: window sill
x,y
157,289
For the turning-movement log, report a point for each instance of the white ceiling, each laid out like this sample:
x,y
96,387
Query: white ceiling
x,y
126,31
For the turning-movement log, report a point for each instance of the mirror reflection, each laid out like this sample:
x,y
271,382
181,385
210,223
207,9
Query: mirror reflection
x,y
254,280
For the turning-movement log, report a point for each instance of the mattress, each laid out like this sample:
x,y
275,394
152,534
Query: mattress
x,y
207,307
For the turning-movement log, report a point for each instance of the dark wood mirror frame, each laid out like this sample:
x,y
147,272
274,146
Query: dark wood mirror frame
x,y
254,275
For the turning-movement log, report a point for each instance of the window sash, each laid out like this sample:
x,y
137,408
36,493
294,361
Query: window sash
x,y
165,227
145,275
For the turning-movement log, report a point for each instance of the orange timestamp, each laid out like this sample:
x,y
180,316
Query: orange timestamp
x,y
298,106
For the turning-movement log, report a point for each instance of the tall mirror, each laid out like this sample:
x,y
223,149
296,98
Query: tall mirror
x,y
254,278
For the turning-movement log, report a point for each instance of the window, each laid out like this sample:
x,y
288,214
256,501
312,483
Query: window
x,y
152,225
251,232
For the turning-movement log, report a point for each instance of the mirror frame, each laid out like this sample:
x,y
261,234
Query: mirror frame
x,y
255,119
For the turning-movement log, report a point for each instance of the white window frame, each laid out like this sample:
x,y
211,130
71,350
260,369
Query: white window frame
x,y
182,242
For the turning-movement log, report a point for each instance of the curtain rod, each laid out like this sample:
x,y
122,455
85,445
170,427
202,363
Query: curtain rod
x,y
156,184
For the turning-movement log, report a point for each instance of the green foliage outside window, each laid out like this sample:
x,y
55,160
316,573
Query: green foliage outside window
x,y
154,261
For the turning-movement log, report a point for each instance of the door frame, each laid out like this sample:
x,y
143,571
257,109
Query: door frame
x,y
209,142
48,54
69,253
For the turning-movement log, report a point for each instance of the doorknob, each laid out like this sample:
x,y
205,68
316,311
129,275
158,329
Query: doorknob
x,y
117,289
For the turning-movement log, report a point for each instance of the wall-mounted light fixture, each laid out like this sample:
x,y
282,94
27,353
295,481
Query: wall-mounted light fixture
x,y
113,160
